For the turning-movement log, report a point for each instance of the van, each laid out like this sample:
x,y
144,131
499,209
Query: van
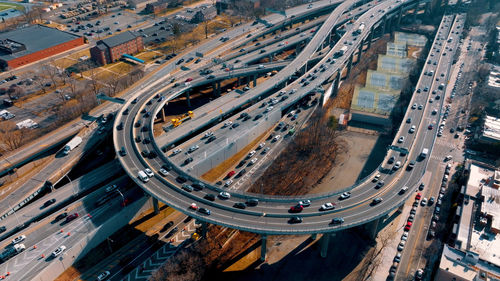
x,y
142,176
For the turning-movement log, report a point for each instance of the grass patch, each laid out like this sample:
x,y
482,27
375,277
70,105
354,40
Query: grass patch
x,y
5,6
121,68
79,54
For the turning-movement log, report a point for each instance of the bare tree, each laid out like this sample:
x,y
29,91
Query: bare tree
x,y
51,72
10,136
113,84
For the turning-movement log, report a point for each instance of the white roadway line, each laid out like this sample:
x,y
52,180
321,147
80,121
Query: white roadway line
x,y
53,239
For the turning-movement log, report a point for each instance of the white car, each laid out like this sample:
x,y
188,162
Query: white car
x,y
448,157
345,195
224,195
397,165
193,148
58,251
412,129
269,108
327,206
277,137
18,239
149,172
251,153
208,134
163,172
227,124
376,178
423,202
401,245
401,139
176,151
404,237
103,276
262,145
253,161
228,183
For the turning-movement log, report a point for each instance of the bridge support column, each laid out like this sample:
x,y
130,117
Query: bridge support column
x,y
314,236
263,247
372,229
336,83
204,226
162,114
384,24
415,11
188,99
156,208
360,51
218,88
370,38
255,80
325,241
349,64
400,15
270,58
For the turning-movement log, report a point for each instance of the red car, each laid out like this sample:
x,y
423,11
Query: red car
x,y
296,209
408,226
230,174
71,217
418,196
189,79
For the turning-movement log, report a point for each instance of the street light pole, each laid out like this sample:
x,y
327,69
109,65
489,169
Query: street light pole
x,y
123,198
71,182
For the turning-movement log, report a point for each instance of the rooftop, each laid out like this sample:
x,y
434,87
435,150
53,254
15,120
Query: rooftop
x,y
46,37
491,128
466,265
118,39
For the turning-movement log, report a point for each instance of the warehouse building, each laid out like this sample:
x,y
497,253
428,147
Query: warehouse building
x,y
113,48
19,47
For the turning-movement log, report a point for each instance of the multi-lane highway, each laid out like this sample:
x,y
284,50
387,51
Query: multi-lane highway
x,y
271,216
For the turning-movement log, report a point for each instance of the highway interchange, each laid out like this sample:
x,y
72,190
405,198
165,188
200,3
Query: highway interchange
x,y
273,210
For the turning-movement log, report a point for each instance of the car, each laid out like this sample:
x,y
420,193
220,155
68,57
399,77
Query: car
x,y
430,126
193,148
18,239
414,106
401,139
404,237
224,195
420,107
58,251
253,161
210,197
419,274
49,202
380,184
376,178
401,245
345,195
235,125
397,258
193,206
408,226
61,216
448,157
423,202
408,120
149,173
295,219
163,172
239,205
403,189
204,211
296,209
391,160
376,201
421,186
188,160
172,232
412,129
337,221
397,165
437,210
305,203
327,206
418,196
411,165
71,217
103,275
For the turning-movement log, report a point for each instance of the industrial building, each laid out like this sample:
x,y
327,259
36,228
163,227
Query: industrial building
x,y
113,48
473,254
140,4
20,47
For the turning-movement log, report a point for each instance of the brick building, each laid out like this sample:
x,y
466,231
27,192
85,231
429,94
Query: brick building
x,y
111,49
156,7
20,47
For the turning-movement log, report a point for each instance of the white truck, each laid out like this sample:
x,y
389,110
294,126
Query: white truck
x,y
11,251
142,176
341,52
424,153
74,142
359,30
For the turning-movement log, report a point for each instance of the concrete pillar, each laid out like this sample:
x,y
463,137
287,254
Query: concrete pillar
x,y
263,247
270,58
218,89
372,229
314,236
336,83
155,206
400,15
188,99
349,64
255,80
204,226
370,37
384,23
162,114
360,51
325,240
416,10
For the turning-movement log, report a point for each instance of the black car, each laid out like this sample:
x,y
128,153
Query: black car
x,y
295,220
257,117
235,125
198,186
240,205
172,232
241,173
167,167
167,226
138,139
241,163
49,202
204,211
211,139
391,160
61,216
210,197
180,61
188,160
252,202
2,229
181,179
